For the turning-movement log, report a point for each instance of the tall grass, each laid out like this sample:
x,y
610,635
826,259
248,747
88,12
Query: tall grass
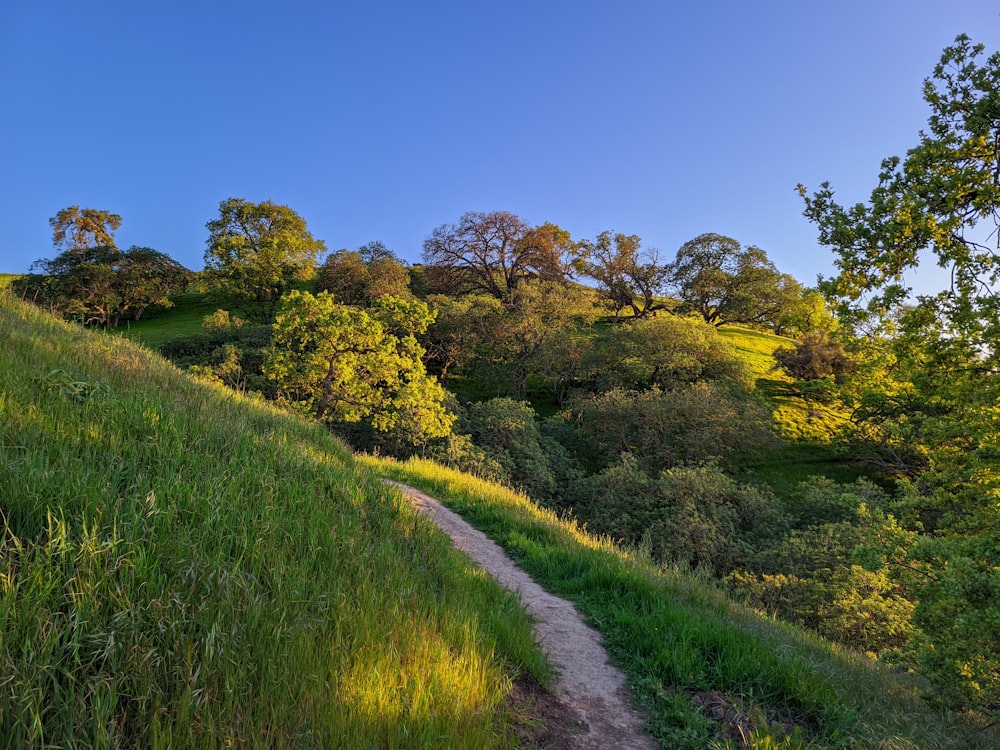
x,y
676,635
182,567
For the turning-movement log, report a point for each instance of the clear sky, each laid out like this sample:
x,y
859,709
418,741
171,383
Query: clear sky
x,y
383,119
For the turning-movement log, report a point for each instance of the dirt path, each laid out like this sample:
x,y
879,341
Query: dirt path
x,y
593,691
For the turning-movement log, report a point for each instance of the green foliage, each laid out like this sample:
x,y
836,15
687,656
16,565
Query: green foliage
x,y
181,567
804,314
101,285
627,274
502,348
717,278
80,391
76,228
509,435
343,363
221,322
257,250
663,429
461,330
934,419
675,635
815,577
694,516
668,351
357,278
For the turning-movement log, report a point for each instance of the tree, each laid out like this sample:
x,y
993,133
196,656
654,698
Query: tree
x,y
509,434
628,274
690,515
724,282
257,250
76,228
663,429
101,285
356,278
495,252
940,403
807,312
343,364
667,352
501,347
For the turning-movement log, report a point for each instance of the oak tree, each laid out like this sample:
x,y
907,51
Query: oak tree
x,y
937,406
76,228
256,251
102,285
628,275
495,253
343,363
724,282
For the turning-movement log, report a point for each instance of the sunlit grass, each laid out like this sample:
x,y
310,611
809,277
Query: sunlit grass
x,y
183,319
184,567
675,634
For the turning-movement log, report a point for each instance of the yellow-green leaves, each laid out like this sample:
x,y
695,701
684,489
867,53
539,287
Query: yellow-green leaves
x,y
345,364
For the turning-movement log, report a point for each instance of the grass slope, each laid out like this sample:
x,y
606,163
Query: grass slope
x,y
181,567
677,637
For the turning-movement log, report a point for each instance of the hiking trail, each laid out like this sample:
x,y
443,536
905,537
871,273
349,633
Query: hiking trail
x,y
592,693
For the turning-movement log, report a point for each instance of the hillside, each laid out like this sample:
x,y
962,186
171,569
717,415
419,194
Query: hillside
x,y
182,567
709,672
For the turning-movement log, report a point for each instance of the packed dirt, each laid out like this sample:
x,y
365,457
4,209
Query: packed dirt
x,y
589,705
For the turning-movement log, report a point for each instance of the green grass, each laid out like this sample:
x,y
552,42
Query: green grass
x,y
163,324
755,347
675,634
7,278
184,567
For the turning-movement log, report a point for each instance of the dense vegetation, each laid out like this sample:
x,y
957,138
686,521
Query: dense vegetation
x,y
184,567
840,475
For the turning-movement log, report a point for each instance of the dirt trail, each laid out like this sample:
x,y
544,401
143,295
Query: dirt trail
x,y
594,691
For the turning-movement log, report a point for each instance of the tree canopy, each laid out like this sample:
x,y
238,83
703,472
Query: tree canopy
x,y
724,282
628,274
101,285
257,250
495,252
76,228
344,364
936,408
358,277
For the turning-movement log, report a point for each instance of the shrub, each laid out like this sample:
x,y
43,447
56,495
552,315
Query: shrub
x,y
663,429
815,357
509,434
221,322
692,515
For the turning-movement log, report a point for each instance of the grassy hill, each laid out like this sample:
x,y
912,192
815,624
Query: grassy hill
x,y
690,653
703,668
181,567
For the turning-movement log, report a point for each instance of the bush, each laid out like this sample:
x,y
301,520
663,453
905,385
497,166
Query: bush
x,y
663,429
694,515
221,322
509,434
813,577
815,357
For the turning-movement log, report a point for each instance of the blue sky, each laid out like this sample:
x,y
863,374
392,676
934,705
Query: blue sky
x,y
383,120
